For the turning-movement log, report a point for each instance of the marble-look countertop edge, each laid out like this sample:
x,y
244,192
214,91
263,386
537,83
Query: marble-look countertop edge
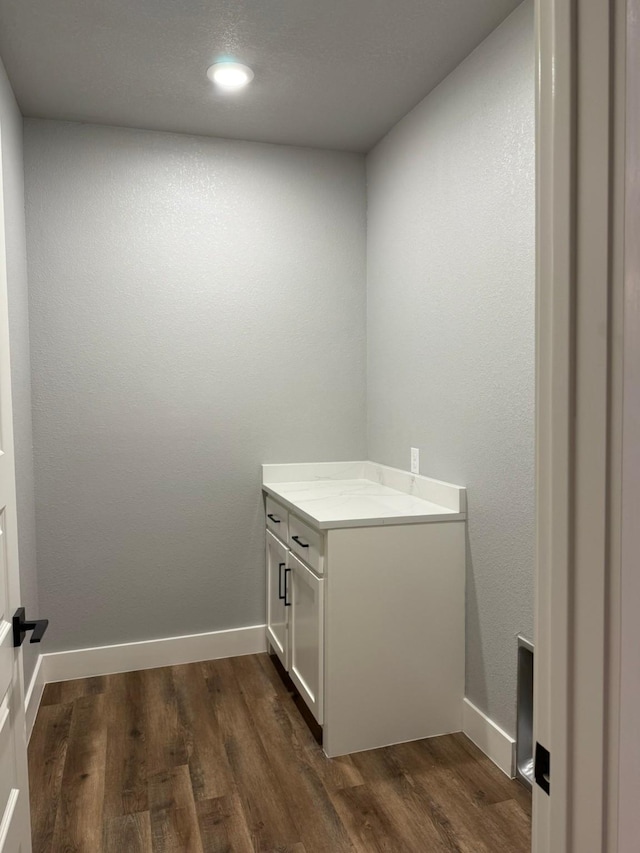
x,y
378,521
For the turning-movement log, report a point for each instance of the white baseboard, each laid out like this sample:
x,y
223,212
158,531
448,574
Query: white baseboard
x,y
489,737
34,696
149,654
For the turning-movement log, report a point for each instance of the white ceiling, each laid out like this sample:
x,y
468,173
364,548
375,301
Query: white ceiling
x,y
329,73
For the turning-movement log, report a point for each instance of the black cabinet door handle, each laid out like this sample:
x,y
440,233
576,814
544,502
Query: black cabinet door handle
x,y
21,626
286,588
273,518
281,594
301,544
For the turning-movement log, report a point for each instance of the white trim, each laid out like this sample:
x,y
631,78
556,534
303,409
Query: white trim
x,y
489,737
149,654
627,820
34,696
555,251
578,418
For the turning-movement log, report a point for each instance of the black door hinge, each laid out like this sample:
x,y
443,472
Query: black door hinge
x,y
542,768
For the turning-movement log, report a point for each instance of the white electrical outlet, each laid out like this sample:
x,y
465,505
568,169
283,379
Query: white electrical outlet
x,y
415,460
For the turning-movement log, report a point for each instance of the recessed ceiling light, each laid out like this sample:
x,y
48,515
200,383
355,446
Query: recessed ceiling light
x,y
230,75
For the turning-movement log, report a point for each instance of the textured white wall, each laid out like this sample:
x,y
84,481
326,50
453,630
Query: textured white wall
x,y
13,192
197,308
451,329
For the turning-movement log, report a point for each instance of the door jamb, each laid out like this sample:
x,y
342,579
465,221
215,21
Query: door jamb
x,y
580,148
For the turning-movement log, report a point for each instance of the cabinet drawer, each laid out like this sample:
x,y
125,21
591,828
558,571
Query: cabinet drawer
x,y
307,543
277,519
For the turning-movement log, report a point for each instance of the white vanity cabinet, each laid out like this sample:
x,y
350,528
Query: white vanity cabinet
x,y
295,608
365,599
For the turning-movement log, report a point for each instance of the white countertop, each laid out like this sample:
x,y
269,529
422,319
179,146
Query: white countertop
x,y
331,496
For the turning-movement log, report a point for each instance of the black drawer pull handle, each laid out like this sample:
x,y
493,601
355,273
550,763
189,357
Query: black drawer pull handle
x,y
273,518
281,594
286,589
301,544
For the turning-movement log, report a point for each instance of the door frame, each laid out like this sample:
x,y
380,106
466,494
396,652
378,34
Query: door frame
x,y
579,248
629,731
15,828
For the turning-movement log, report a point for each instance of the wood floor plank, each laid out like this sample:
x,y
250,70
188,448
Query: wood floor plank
x,y
401,799
481,764
47,753
211,775
367,824
335,773
126,762
222,825
455,810
513,823
265,807
174,822
62,692
78,824
214,757
164,736
489,783
319,825
128,833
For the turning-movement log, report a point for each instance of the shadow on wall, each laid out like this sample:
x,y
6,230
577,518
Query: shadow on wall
x,y
256,543
473,628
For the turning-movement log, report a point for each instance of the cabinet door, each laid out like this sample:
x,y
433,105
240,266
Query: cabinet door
x,y
306,634
277,613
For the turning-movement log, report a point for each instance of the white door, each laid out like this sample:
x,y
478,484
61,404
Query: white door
x,y
277,612
15,832
305,594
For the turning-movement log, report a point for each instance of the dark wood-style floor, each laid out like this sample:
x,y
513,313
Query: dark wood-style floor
x,y
214,757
